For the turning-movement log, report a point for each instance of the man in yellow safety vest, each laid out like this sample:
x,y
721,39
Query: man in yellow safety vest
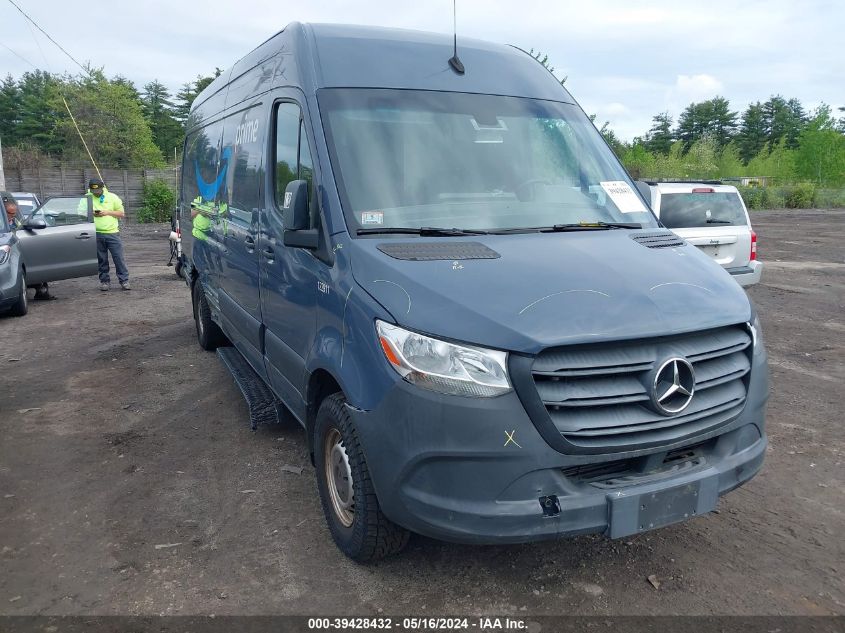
x,y
108,208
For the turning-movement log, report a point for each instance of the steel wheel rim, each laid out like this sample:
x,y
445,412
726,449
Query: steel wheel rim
x,y
339,478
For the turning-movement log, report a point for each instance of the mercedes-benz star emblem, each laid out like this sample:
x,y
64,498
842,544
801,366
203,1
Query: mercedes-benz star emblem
x,y
674,384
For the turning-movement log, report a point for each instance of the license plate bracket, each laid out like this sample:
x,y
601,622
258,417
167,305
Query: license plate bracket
x,y
635,512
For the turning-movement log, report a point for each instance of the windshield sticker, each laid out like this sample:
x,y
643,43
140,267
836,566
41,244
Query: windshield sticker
x,y
372,217
625,199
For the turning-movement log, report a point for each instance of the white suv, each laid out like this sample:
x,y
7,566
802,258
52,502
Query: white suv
x,y
713,217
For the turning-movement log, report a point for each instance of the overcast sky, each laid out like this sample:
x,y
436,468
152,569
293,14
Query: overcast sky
x,y
625,60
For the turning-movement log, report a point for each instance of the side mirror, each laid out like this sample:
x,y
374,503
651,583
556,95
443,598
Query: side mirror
x,y
34,223
295,218
295,206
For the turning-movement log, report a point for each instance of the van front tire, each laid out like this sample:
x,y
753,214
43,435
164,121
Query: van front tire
x,y
209,334
358,526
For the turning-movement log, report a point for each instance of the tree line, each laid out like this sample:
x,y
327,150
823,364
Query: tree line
x,y
123,127
777,139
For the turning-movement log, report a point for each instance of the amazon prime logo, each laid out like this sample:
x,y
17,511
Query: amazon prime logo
x,y
674,384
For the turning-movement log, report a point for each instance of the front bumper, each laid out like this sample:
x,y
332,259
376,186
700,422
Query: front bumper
x,y
747,275
477,470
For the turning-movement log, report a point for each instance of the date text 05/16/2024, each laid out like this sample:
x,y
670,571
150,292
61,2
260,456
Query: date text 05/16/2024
x,y
419,623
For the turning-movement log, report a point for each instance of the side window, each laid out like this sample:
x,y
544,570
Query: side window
x,y
243,139
64,211
201,167
285,166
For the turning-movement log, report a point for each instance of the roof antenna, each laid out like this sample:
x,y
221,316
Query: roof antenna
x,y
456,64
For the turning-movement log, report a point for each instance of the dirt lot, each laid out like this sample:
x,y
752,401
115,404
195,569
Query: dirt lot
x,y
130,482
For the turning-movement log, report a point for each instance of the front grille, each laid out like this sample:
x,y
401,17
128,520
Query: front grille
x,y
598,396
638,470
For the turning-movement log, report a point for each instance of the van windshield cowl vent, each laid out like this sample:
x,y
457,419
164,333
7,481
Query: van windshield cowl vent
x,y
432,251
665,239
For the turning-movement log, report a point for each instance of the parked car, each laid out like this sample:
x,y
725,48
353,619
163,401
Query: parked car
x,y
58,240
453,285
713,217
27,202
55,242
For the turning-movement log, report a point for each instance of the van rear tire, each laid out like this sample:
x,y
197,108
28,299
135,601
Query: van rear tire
x,y
357,524
209,334
21,306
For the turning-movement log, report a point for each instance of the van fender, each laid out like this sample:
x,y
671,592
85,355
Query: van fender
x,y
346,347
346,355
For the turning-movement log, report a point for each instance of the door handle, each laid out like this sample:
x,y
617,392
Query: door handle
x,y
83,236
268,253
249,241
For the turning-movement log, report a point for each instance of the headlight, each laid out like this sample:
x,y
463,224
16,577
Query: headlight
x,y
5,253
444,367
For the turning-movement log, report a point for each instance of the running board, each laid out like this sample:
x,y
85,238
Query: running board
x,y
264,407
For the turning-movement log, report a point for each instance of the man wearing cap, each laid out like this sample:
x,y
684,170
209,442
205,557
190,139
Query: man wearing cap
x,y
107,209
11,207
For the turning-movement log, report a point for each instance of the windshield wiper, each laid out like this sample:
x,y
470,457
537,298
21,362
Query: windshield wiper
x,y
575,226
429,231
713,221
425,231
596,225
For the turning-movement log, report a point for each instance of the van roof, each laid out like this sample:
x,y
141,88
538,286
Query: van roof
x,y
314,56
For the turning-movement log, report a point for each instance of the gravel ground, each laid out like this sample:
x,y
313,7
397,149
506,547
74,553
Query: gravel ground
x,y
130,482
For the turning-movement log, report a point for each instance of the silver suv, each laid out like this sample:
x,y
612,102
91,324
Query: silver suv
x,y
713,217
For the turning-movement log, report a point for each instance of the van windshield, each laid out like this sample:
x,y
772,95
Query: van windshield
x,y
405,158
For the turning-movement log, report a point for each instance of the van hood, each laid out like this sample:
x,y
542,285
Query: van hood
x,y
550,289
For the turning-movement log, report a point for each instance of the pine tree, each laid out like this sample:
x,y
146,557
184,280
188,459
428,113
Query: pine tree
x,y
659,138
10,110
184,98
41,110
723,122
796,122
712,117
753,134
158,109
190,91
784,119
690,127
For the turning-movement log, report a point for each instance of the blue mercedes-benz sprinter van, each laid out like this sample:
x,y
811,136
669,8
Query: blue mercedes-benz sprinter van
x,y
454,286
